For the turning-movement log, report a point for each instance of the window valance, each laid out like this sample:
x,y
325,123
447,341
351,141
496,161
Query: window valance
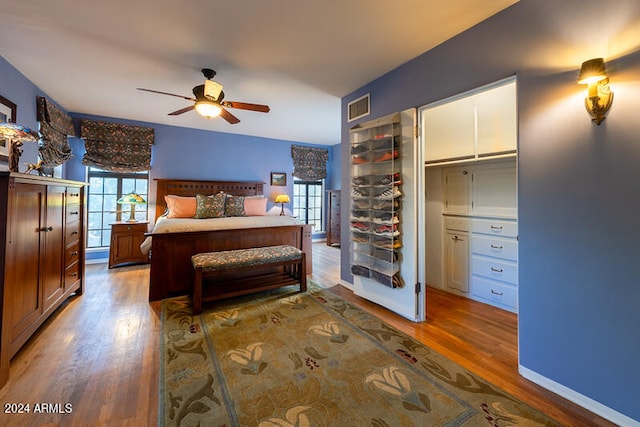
x,y
55,126
309,163
117,147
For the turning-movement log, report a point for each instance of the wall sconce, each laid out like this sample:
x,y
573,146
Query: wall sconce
x,y
282,199
599,97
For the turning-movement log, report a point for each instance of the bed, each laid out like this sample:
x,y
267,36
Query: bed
x,y
170,251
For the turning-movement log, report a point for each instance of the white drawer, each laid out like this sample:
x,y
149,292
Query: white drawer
x,y
504,271
495,293
495,227
456,223
495,247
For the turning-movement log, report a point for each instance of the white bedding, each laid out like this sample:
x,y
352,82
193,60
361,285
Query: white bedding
x,y
173,225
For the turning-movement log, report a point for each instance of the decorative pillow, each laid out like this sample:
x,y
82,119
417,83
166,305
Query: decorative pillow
x,y
210,206
180,207
253,207
234,205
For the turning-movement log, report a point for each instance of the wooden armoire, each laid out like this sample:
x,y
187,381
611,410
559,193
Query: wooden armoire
x,y
42,226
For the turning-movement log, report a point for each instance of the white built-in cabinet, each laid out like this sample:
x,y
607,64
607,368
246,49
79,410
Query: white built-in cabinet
x,y
494,262
472,126
480,231
471,221
457,254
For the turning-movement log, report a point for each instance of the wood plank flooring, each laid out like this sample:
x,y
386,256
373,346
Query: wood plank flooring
x,y
99,353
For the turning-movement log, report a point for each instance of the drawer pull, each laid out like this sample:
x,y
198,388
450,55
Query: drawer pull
x,y
496,247
496,292
74,213
74,253
74,194
496,227
497,270
74,274
73,233
46,229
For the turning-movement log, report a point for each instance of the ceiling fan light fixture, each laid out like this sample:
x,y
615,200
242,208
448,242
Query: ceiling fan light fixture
x,y
208,109
212,89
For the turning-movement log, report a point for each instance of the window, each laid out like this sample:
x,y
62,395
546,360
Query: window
x,y
105,188
308,200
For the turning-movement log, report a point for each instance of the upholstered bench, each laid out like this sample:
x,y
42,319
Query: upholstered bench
x,y
211,265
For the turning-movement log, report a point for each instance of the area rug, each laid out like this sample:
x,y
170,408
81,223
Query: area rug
x,y
285,358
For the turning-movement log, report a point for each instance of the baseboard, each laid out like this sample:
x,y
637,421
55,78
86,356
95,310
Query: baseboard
x,y
579,399
96,261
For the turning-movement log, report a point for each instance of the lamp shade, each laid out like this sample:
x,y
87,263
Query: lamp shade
x,y
17,133
592,71
282,198
131,199
208,109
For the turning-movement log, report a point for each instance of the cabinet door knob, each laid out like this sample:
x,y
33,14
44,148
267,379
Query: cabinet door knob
x,y
73,233
46,229
74,253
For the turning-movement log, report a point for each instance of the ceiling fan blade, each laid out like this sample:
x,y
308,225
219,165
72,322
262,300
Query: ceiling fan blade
x,y
247,106
182,110
188,98
229,117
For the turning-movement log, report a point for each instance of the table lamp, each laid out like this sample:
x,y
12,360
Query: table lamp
x,y
132,199
282,199
16,135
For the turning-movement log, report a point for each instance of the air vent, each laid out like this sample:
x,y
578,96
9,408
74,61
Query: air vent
x,y
358,108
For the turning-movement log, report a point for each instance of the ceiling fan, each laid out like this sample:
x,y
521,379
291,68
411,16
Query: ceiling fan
x,y
209,100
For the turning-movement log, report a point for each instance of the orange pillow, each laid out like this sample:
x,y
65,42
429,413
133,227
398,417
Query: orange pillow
x,y
254,207
180,207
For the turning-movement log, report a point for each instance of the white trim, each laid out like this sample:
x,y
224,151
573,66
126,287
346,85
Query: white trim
x,y
579,399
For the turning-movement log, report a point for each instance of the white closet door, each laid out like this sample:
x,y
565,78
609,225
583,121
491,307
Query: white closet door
x,y
497,120
449,131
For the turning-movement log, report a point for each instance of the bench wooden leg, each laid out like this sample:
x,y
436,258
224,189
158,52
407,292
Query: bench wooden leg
x,y
197,292
303,274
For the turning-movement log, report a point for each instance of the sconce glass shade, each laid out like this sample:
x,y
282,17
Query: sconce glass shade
x,y
599,96
592,71
132,199
282,199
208,109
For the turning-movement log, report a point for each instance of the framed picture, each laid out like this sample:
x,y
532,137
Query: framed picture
x,y
278,179
7,114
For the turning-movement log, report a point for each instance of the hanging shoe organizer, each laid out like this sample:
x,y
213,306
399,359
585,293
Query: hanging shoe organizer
x,y
376,195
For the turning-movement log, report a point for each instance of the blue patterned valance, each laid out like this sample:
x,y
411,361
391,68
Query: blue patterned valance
x,y
309,163
117,147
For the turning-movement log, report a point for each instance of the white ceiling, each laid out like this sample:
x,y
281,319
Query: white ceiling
x,y
298,56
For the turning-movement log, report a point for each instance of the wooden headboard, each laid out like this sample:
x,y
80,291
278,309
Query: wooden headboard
x,y
189,188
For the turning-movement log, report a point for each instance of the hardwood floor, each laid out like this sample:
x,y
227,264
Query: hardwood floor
x,y
99,352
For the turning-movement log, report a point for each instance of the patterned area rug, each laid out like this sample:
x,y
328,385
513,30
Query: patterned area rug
x,y
283,358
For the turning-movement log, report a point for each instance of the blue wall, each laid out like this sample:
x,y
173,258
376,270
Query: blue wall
x,y
18,89
199,154
578,188
178,152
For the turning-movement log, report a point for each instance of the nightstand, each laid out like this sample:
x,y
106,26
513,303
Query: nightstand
x,y
126,238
